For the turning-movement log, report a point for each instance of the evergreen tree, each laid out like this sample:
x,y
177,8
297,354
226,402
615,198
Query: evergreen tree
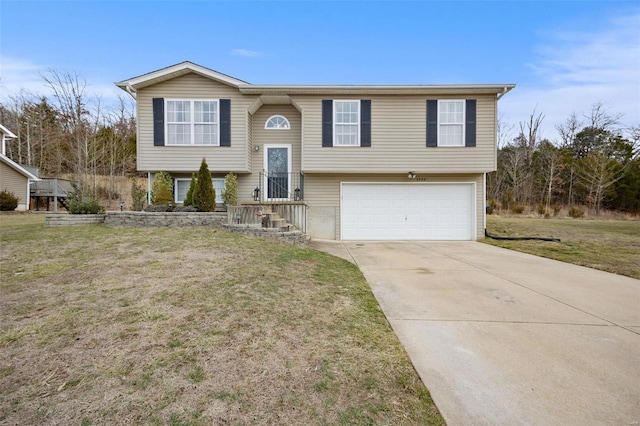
x,y
162,189
204,196
230,195
188,199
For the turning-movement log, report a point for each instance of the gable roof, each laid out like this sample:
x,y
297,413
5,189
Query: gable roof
x,y
173,71
133,84
17,167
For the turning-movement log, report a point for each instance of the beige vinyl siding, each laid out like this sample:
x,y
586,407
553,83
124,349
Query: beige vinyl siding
x,y
188,158
398,139
322,191
262,137
16,183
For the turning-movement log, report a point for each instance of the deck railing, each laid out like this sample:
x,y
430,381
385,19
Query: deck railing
x,y
51,187
277,187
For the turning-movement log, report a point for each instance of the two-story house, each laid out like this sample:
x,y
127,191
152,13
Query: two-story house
x,y
405,162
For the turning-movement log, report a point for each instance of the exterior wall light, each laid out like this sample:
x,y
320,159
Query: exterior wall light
x,y
411,175
296,194
256,148
256,194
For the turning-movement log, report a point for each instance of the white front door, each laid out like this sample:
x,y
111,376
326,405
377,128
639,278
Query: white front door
x,y
277,176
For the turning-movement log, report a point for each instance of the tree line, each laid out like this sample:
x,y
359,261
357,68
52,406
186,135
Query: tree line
x,y
595,165
71,133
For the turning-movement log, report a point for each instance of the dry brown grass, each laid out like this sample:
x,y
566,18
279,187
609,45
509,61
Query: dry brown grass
x,y
192,326
609,245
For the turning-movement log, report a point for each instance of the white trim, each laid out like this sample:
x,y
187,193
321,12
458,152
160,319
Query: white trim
x,y
192,122
335,122
464,117
286,127
266,148
175,188
7,133
474,203
175,71
484,203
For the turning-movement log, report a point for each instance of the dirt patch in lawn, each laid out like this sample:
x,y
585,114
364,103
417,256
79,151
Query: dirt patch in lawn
x,y
192,326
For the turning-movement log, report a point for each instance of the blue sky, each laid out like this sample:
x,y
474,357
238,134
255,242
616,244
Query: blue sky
x,y
564,56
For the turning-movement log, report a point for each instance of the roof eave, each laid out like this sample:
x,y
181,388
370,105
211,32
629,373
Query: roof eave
x,y
476,89
17,167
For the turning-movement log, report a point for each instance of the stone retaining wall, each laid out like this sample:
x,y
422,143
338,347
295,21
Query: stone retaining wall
x,y
63,219
292,237
153,219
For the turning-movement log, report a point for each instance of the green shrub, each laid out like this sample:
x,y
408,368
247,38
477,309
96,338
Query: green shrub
x,y
542,210
204,196
230,194
8,201
162,189
188,199
138,197
576,212
556,209
83,203
517,209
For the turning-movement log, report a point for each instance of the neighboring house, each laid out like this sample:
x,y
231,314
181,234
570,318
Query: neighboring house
x,y
14,177
368,162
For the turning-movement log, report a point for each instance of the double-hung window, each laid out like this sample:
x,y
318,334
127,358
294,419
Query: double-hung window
x,y
181,188
346,122
451,122
193,122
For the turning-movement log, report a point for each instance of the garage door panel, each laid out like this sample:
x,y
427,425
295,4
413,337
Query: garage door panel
x,y
408,211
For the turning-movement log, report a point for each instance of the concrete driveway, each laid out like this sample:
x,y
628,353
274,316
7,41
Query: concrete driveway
x,y
501,337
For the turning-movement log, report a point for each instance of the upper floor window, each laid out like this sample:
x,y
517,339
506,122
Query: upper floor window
x,y
346,123
192,122
277,122
451,122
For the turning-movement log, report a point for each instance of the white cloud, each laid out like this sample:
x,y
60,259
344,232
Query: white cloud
x,y
246,53
575,70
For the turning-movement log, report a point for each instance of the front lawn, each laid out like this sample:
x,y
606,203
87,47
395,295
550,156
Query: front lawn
x,y
192,326
609,245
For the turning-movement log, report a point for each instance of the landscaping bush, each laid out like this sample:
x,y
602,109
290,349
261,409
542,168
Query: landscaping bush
x,y
517,209
204,196
576,212
159,208
230,194
542,210
79,202
138,197
8,201
162,189
185,209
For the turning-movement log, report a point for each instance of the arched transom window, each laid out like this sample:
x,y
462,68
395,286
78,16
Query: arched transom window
x,y
277,122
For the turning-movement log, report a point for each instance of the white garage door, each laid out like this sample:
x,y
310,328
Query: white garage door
x,y
407,211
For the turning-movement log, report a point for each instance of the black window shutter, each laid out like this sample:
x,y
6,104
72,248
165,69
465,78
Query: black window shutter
x,y
365,123
225,122
158,122
327,123
470,124
432,123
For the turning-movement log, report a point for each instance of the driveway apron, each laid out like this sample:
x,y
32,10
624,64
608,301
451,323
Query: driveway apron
x,y
501,337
